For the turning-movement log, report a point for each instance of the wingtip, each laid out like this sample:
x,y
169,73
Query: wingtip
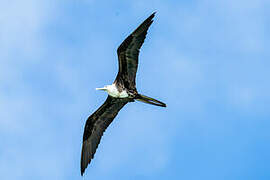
x,y
153,15
84,159
82,169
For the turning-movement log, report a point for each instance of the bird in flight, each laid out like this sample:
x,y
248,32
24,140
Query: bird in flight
x,y
122,91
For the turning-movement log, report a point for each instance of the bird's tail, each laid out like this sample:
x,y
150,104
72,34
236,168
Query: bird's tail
x,y
149,100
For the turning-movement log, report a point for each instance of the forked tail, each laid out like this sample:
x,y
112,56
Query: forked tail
x,y
149,100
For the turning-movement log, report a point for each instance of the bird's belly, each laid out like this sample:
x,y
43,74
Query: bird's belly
x,y
118,94
123,94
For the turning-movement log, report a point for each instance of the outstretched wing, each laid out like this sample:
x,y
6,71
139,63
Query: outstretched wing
x,y
96,124
128,53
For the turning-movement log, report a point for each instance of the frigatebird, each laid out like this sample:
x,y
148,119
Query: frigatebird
x,y
122,91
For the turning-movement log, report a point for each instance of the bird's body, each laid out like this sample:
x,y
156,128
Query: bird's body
x,y
122,91
113,91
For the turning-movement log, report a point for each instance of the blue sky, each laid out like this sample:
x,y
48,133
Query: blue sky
x,y
208,60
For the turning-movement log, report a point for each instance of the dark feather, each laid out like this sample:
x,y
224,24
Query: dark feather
x,y
95,126
128,53
97,123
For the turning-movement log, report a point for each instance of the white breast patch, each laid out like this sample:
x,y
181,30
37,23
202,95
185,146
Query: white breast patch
x,y
112,91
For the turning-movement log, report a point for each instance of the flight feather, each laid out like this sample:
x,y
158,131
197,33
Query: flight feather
x,y
95,126
128,54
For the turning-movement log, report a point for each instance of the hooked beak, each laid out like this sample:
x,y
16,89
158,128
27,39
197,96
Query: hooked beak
x,y
103,89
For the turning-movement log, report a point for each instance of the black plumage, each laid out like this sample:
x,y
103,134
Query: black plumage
x,y
97,123
128,55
